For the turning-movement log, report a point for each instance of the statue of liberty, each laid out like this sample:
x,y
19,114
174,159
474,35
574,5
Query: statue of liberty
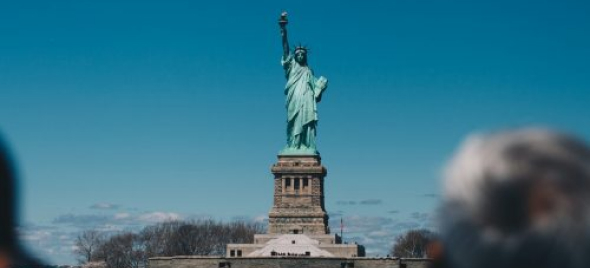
x,y
303,90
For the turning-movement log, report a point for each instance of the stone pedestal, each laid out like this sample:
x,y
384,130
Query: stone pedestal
x,y
297,221
298,206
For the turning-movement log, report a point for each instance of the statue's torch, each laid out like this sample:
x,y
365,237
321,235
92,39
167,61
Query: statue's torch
x,y
283,19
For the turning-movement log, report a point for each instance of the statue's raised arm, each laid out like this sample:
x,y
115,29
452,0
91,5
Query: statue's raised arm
x,y
283,24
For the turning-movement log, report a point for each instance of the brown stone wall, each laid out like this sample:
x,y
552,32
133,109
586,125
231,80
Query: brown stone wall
x,y
296,201
284,262
300,208
188,262
278,189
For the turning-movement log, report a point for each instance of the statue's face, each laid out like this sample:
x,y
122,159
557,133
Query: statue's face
x,y
301,56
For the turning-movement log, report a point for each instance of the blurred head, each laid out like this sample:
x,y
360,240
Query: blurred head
x,y
11,254
301,55
7,210
518,199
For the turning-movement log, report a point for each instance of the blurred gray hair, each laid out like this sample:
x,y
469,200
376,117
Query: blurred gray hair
x,y
492,189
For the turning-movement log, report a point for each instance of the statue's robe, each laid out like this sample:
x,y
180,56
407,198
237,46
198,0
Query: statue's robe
x,y
301,92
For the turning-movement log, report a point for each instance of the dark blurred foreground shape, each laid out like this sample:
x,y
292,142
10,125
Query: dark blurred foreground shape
x,y
11,254
519,199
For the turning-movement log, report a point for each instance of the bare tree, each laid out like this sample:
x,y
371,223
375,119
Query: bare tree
x,y
124,250
412,244
132,250
86,245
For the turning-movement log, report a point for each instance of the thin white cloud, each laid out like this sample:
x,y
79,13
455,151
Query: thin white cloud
x,y
113,221
104,206
420,216
261,218
121,216
52,245
35,235
361,202
371,202
158,216
84,220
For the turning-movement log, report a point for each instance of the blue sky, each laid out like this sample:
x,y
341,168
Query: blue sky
x,y
124,113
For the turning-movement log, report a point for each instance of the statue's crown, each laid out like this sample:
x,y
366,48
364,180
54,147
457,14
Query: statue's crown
x,y
300,47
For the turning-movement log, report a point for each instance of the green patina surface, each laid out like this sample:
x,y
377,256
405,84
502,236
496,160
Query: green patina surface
x,y
303,91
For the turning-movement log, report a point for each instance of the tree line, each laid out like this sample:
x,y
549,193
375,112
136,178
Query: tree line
x,y
133,249
202,237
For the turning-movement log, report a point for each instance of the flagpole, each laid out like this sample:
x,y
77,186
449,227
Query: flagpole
x,y
341,230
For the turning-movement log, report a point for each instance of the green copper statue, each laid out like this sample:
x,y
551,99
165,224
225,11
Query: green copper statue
x,y
303,90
